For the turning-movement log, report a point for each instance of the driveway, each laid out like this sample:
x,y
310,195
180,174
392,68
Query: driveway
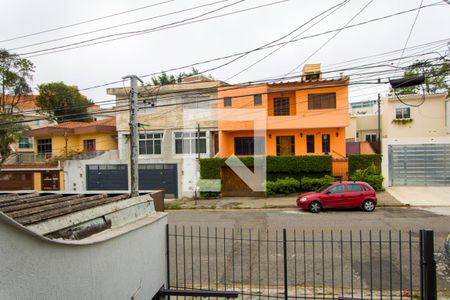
x,y
421,195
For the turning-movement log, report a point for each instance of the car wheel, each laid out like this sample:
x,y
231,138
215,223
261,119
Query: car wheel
x,y
368,205
315,207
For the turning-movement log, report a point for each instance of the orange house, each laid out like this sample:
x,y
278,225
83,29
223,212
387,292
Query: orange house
x,y
307,117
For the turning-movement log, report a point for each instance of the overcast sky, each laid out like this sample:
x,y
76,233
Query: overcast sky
x,y
184,45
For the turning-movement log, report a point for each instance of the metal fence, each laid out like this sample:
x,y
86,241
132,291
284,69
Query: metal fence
x,y
297,263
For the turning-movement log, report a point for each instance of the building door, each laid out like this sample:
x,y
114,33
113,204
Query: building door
x,y
159,177
50,181
107,177
425,164
13,181
285,145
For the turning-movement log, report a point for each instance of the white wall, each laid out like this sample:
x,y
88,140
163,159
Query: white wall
x,y
115,264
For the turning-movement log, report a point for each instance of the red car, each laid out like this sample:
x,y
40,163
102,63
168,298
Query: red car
x,y
339,194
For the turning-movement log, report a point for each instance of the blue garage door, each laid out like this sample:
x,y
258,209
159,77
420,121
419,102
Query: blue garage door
x,y
159,177
107,177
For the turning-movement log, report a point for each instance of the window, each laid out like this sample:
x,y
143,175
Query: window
x,y
337,189
310,144
322,101
403,113
44,147
366,188
150,143
257,100
89,145
371,137
186,142
249,145
281,106
354,187
285,145
25,143
325,143
227,101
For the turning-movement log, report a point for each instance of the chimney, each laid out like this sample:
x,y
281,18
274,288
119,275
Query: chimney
x,y
311,72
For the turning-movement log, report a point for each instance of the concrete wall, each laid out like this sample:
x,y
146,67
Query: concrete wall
x,y
428,120
405,141
117,264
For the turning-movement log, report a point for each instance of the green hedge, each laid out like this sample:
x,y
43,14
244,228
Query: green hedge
x,y
370,175
363,161
277,166
291,185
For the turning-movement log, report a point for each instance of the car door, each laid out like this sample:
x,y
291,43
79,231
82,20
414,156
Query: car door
x,y
355,195
334,196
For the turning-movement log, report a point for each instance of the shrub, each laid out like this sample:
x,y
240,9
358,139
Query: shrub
x,y
313,184
282,186
370,175
363,161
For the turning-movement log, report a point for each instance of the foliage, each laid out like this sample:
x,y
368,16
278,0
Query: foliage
x,y
297,166
209,188
63,103
290,185
173,205
362,161
402,121
165,79
15,72
436,77
371,175
282,186
312,184
9,133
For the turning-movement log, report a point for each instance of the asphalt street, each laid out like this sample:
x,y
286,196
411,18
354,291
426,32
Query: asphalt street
x,y
245,248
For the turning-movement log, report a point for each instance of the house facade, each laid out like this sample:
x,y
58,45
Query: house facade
x,y
307,117
176,128
43,168
416,140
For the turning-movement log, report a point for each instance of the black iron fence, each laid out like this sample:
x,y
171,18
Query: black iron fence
x,y
302,264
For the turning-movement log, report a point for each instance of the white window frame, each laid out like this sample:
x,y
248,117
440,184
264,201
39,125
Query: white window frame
x,y
192,134
402,107
370,133
152,141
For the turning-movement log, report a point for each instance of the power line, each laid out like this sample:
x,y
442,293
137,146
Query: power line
x,y
411,30
119,25
239,11
331,38
328,12
84,22
129,34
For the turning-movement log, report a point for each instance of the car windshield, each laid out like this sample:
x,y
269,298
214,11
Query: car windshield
x,y
323,187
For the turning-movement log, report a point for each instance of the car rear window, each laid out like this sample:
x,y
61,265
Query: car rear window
x,y
354,187
366,188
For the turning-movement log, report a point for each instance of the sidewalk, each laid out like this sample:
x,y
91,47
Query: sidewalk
x,y
279,202
422,196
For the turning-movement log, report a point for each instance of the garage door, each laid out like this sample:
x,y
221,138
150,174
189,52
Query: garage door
x,y
419,164
14,181
107,177
159,176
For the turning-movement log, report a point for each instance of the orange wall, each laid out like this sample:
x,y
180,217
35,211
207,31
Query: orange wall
x,y
337,143
301,120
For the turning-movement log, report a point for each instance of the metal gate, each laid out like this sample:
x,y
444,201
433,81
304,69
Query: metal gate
x,y
159,177
300,264
426,164
107,177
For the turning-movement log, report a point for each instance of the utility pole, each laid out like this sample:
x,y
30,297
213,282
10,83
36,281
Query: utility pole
x,y
134,135
379,123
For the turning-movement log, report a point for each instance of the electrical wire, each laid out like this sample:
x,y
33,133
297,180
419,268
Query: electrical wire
x,y
84,22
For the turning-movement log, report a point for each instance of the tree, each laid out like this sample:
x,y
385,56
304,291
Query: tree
x,y
436,77
165,79
15,72
62,103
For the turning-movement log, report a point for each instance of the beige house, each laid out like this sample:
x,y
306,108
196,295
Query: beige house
x,y
175,129
416,140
